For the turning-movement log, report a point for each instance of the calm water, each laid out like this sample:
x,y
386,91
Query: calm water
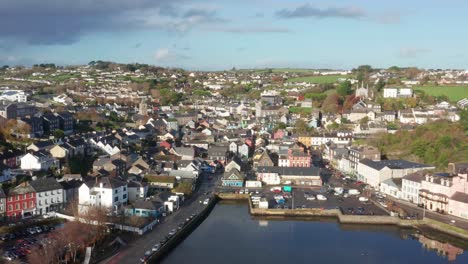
x,y
231,235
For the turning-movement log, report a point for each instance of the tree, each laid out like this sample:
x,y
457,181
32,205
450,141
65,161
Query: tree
x,y
464,119
58,133
331,103
380,85
301,126
344,88
184,187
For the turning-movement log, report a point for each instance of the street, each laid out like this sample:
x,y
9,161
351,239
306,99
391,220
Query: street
x,y
137,248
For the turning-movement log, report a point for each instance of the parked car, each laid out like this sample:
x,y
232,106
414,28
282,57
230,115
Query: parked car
x,y
156,247
310,198
321,197
172,232
363,199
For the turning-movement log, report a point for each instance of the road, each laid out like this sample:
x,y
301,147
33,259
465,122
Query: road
x,y
137,248
415,210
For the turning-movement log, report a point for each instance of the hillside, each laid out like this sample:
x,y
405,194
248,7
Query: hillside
x,y
436,143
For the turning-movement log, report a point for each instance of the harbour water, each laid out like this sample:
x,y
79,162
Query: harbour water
x,y
231,235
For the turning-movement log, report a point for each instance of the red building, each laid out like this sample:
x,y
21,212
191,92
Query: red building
x,y
21,202
299,158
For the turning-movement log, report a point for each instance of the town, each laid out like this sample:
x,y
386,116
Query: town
x,y
113,163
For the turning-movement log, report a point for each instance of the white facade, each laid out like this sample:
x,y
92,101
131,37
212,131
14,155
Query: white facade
x,y
44,200
14,96
390,93
36,163
269,178
135,193
102,196
410,191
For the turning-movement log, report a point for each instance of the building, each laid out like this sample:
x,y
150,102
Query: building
x,y
446,193
2,205
145,208
21,202
289,175
14,96
66,122
397,92
262,159
233,178
357,154
411,184
49,195
299,158
161,182
375,172
106,192
137,190
8,110
37,161
50,122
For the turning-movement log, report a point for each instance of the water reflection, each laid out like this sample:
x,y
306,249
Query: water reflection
x,y
231,236
443,249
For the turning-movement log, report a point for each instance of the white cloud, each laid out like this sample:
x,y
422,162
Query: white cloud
x,y
165,55
410,53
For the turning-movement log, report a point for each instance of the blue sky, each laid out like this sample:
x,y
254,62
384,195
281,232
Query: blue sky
x,y
216,35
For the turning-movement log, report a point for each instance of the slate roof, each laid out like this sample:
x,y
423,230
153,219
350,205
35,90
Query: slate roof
x,y
45,184
392,164
293,171
107,183
2,194
460,197
418,176
147,205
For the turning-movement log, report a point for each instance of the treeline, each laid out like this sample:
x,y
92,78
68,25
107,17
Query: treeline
x,y
436,143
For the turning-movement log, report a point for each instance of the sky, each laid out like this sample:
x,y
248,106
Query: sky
x,y
218,35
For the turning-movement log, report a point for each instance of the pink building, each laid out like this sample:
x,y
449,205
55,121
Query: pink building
x,y
299,158
446,193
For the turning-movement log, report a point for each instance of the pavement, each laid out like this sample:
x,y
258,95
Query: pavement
x,y
420,212
137,248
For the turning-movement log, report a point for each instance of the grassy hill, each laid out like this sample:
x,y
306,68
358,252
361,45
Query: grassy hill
x,y
322,79
436,143
454,93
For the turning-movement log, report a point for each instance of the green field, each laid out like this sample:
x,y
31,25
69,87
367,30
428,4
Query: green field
x,y
279,70
322,79
454,93
301,110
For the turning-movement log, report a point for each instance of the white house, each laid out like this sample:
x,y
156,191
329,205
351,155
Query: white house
x,y
243,150
49,195
410,186
39,160
105,192
375,172
137,190
390,93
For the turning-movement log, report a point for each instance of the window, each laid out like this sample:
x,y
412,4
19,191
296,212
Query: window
x,y
25,205
115,191
17,206
25,196
31,204
31,195
125,188
124,196
10,199
116,199
10,208
17,198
